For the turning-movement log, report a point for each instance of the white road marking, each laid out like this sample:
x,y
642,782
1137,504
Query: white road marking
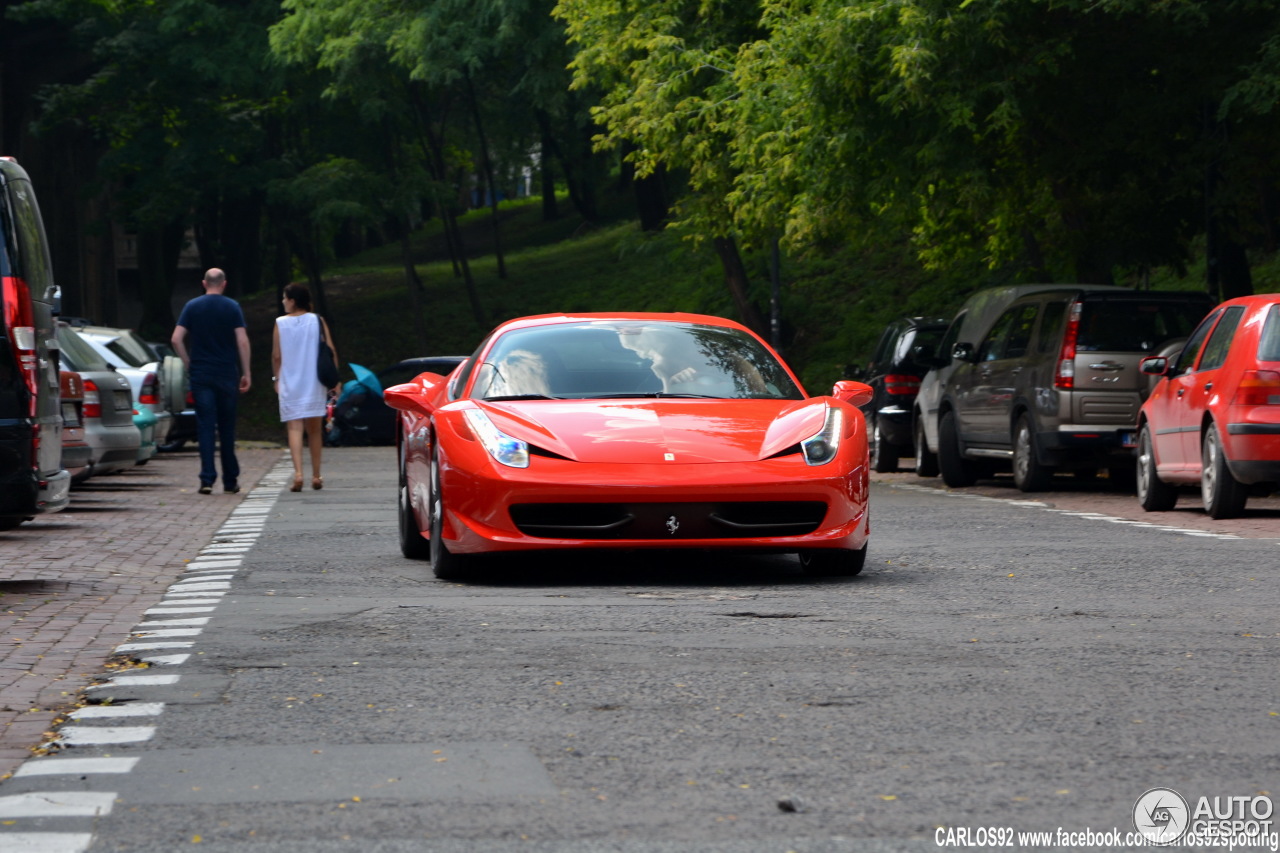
x,y
1091,516
105,735
136,681
199,584
165,660
57,804
167,623
202,579
150,647
74,766
167,632
162,611
203,595
47,842
98,712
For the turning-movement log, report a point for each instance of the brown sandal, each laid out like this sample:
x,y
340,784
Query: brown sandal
x,y
317,483
297,483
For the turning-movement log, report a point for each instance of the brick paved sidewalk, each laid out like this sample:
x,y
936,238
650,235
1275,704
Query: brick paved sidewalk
x,y
74,584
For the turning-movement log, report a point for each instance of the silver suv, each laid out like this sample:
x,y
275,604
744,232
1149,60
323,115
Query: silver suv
x,y
1052,382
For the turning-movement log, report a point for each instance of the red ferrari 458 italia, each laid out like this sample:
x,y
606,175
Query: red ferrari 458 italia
x,y
1214,417
629,431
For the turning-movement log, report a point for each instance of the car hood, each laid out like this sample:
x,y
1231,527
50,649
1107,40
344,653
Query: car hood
x,y
666,430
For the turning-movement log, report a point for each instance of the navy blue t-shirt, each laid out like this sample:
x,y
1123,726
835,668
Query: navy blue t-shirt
x,y
211,322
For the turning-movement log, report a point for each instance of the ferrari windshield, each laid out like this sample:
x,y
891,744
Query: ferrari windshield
x,y
631,358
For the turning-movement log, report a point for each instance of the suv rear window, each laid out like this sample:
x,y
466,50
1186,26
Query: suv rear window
x,y
1132,326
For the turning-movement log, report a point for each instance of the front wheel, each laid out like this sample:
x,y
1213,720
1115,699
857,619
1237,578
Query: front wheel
x,y
884,456
1154,494
1224,495
833,562
1028,474
445,564
926,459
412,545
957,472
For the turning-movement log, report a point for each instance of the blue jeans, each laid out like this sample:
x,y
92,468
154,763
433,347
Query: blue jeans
x,y
215,402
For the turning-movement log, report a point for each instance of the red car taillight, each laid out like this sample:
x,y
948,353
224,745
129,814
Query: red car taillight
x,y
191,399
20,328
149,394
1065,376
901,383
1258,388
92,403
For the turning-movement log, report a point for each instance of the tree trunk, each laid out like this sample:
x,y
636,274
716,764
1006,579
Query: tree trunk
x,y
735,278
415,287
487,165
550,209
158,249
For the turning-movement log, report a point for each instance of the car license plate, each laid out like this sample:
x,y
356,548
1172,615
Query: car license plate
x,y
1127,439
124,400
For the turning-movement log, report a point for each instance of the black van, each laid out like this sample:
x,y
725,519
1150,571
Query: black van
x,y
32,479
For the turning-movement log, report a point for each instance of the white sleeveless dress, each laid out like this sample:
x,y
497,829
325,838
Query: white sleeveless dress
x,y
301,394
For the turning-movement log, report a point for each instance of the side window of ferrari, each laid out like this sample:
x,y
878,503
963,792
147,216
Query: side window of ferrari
x,y
460,378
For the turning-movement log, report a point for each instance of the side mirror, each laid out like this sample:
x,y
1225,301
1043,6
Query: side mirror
x,y
853,393
1154,365
413,396
962,351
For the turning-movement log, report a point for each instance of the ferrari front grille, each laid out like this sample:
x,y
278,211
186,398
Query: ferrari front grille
x,y
668,521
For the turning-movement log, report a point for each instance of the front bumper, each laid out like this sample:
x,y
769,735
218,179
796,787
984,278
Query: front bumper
x,y
672,506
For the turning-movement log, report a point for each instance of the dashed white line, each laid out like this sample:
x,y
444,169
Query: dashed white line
x,y
47,842
74,766
105,735
136,681
98,712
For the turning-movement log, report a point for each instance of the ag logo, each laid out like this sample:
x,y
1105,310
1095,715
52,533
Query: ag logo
x,y
673,524
1161,815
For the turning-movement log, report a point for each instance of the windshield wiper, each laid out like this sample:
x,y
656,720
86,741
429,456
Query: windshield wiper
x,y
653,395
502,398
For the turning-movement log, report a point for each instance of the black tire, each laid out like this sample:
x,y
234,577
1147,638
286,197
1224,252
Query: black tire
x,y
1029,475
957,472
884,456
1224,496
412,545
173,446
926,459
445,564
833,562
1154,494
10,523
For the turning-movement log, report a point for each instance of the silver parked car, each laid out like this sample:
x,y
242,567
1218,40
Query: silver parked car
x,y
107,411
157,383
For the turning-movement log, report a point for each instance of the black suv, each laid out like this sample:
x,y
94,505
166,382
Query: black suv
x,y
32,479
1052,382
905,353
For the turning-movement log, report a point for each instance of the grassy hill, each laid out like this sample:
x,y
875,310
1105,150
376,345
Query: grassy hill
x,y
833,306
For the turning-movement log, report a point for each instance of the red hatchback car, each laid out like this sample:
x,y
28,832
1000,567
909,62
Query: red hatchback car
x,y
1214,417
630,431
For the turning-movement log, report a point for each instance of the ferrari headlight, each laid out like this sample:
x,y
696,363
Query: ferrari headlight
x,y
819,449
509,451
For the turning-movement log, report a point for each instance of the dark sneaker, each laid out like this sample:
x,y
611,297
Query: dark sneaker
x,y
231,490
205,489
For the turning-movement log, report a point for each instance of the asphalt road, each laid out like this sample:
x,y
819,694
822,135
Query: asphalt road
x,y
1000,663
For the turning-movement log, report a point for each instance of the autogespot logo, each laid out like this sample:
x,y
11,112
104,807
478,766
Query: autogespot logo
x,y
1161,815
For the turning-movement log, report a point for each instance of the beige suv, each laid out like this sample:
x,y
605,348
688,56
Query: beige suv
x,y
1052,383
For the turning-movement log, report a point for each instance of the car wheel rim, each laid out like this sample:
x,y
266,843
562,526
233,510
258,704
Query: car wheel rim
x,y
1144,466
1209,477
919,436
875,443
1021,454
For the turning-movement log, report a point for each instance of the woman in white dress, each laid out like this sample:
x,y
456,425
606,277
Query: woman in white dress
x,y
295,344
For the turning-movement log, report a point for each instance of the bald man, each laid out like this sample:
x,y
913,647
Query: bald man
x,y
212,340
